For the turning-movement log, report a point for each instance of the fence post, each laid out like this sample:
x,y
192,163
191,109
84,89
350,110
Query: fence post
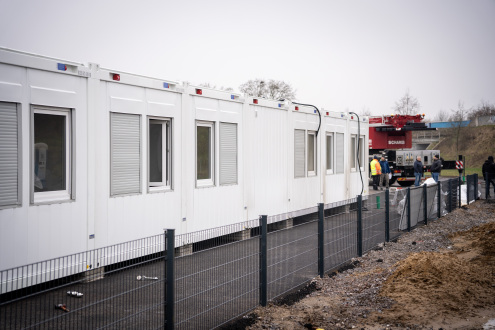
x,y
450,195
321,238
387,215
263,260
467,189
170,279
460,183
439,200
475,186
408,209
425,205
359,226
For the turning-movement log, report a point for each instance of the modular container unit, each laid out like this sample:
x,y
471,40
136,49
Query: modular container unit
x,y
93,157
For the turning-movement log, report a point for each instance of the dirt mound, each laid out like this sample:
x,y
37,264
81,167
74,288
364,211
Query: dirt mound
x,y
452,285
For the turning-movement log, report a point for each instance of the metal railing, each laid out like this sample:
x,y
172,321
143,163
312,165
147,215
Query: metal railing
x,y
205,279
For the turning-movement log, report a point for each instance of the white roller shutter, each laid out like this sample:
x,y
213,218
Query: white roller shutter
x,y
339,155
125,154
299,153
228,153
9,151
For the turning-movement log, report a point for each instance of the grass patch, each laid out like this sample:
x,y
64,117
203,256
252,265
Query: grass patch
x,y
455,173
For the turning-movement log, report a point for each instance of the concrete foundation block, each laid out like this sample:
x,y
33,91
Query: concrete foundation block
x,y
184,250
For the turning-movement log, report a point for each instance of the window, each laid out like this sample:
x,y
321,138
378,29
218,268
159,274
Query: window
x,y
10,150
125,154
339,157
329,153
51,147
159,154
352,155
362,152
311,153
205,154
228,153
299,153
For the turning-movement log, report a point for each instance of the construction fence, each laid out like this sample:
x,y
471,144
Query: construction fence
x,y
207,279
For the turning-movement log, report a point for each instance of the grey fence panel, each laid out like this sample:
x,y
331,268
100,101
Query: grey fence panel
x,y
417,206
218,283
432,201
292,257
373,215
108,295
340,244
397,213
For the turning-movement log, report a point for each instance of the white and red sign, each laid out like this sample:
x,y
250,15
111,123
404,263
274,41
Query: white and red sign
x,y
459,165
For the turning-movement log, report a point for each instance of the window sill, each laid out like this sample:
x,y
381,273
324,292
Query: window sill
x,y
154,190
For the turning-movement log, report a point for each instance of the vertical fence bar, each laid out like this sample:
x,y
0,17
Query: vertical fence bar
x,y
459,183
408,209
387,215
450,195
467,189
425,204
439,199
475,186
359,226
321,231
170,281
263,261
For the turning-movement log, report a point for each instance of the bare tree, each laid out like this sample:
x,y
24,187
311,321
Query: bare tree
x,y
407,105
365,112
483,109
209,85
456,118
442,115
271,89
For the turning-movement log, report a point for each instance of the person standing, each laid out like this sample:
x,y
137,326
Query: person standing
x,y
384,178
488,170
375,172
436,167
418,171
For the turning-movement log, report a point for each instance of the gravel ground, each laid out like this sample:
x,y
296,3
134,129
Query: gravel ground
x,y
440,276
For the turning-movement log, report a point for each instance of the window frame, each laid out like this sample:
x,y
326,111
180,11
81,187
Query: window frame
x,y
167,154
66,194
362,153
315,168
210,182
353,144
329,170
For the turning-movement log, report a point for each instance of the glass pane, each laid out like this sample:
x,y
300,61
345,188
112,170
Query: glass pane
x,y
203,153
49,152
156,164
311,152
329,152
353,152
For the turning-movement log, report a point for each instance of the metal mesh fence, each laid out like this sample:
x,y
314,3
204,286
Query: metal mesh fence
x,y
292,257
114,293
216,279
373,217
340,233
219,274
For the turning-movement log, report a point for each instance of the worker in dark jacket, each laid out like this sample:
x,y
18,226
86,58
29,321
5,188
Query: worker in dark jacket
x,y
418,171
384,178
488,170
436,167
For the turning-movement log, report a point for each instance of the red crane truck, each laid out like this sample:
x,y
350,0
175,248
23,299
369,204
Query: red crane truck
x,y
391,136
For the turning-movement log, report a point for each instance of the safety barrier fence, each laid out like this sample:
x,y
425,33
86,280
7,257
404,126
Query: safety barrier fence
x,y
206,279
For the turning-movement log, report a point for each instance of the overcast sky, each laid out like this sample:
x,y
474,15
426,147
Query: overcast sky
x,y
339,55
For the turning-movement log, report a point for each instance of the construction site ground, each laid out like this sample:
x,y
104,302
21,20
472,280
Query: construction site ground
x,y
439,276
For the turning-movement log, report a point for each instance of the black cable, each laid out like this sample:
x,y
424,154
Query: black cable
x,y
357,153
319,114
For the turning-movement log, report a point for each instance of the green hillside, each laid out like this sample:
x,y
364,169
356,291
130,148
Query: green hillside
x,y
475,143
